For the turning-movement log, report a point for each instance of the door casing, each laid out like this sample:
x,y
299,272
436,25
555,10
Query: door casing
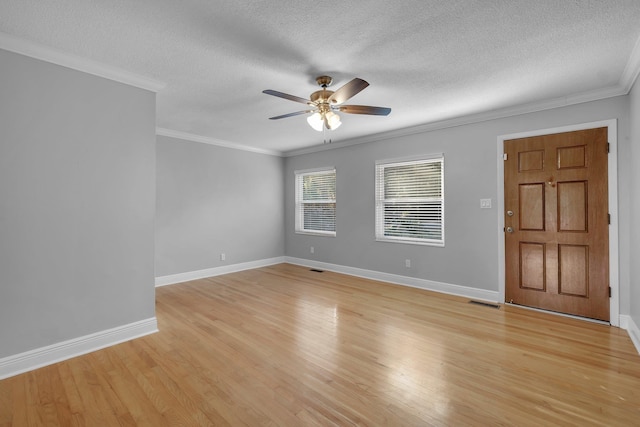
x,y
612,126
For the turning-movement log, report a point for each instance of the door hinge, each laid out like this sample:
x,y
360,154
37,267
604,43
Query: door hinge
x,y
609,291
609,218
608,147
504,156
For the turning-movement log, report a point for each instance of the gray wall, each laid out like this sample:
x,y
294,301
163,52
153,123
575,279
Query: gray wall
x,y
77,199
213,200
635,202
470,257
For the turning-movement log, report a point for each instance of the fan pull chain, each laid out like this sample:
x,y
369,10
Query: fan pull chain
x,y
324,135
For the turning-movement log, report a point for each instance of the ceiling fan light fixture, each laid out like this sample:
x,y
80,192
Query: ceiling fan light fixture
x,y
315,121
333,120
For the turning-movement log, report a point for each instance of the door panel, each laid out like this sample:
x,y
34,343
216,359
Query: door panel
x,y
532,266
572,206
572,157
532,203
557,253
531,161
573,263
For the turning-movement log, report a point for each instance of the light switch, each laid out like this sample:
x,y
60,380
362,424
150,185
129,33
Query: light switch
x,y
485,203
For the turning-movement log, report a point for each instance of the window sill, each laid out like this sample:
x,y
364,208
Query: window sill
x,y
317,233
410,242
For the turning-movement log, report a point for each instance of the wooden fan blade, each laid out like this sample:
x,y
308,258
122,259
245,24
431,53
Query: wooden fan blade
x,y
365,109
297,113
286,96
347,91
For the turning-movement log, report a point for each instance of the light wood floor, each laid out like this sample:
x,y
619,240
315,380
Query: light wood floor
x,y
283,346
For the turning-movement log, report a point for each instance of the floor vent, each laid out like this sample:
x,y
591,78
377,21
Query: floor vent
x,y
485,304
315,270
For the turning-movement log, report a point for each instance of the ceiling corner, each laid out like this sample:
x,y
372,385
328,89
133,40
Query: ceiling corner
x,y
632,70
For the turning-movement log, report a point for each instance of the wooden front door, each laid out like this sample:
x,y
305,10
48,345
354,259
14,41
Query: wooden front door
x,y
556,222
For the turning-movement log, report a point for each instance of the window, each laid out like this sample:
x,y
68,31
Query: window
x,y
410,200
316,202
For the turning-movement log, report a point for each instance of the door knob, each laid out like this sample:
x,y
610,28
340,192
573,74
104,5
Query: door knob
x,y
510,213
509,230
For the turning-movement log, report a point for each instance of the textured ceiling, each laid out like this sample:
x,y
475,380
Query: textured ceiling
x,y
430,61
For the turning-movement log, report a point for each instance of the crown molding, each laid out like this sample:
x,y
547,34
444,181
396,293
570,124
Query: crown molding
x,y
631,71
45,53
563,101
213,141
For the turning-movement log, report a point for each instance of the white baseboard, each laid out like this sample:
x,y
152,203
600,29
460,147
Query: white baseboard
x,y
626,322
33,359
216,271
413,282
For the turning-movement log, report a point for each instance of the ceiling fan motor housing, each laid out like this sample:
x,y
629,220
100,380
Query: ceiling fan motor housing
x,y
321,99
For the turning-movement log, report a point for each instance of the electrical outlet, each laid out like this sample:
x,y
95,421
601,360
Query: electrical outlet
x,y
312,249
407,263
223,257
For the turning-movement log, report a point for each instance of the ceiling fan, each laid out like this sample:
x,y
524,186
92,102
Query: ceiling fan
x,y
324,103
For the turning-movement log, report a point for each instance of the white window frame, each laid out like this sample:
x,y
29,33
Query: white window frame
x,y
299,214
381,200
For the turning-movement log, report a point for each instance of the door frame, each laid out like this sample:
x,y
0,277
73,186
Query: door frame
x,y
612,126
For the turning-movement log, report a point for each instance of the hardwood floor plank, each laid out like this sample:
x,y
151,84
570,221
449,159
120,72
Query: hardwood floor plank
x,y
68,386
94,392
59,396
283,346
6,403
18,410
34,410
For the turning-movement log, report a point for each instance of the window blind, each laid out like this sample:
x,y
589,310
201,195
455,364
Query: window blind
x,y
410,201
316,202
